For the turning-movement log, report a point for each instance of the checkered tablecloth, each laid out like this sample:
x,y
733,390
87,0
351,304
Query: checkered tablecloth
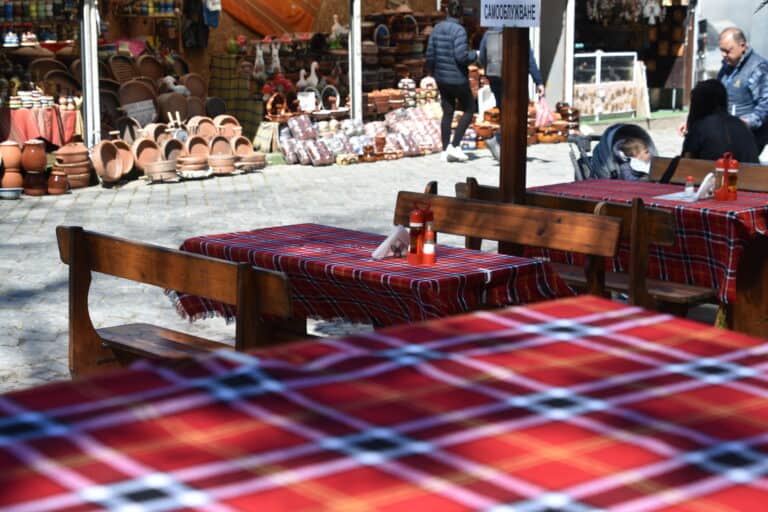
x,y
711,235
579,404
332,275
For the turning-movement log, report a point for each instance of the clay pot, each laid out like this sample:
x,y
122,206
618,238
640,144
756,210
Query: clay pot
x,y
11,154
33,157
145,151
12,178
220,145
79,180
155,130
197,146
172,149
242,146
202,126
126,155
107,162
227,126
58,183
76,168
35,184
71,153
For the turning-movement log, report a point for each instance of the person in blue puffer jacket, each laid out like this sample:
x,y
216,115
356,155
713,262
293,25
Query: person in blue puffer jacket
x,y
448,55
745,76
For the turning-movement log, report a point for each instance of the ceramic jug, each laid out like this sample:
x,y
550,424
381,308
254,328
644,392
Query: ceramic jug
x,y
33,158
11,154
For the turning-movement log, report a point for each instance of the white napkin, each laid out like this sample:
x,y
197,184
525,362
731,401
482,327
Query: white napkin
x,y
707,187
395,245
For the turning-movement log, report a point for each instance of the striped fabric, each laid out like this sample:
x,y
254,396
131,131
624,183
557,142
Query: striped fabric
x,y
575,405
332,275
230,85
711,235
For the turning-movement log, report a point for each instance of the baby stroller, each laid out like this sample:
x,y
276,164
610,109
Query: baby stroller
x,y
607,160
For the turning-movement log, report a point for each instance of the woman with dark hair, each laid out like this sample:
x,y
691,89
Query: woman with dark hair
x,y
448,55
712,130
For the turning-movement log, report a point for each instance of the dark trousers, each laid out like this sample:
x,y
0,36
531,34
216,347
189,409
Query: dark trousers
x,y
761,137
495,83
449,94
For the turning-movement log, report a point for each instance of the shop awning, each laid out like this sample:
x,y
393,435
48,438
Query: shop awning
x,y
273,17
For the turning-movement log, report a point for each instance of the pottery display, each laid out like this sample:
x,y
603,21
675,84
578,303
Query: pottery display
x,y
241,145
79,180
35,184
107,162
11,154
172,149
33,156
145,151
220,145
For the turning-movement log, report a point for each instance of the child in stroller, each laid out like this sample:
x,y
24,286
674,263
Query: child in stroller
x,y
623,151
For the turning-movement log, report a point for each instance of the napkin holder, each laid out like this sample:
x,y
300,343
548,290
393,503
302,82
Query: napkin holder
x,y
707,187
394,246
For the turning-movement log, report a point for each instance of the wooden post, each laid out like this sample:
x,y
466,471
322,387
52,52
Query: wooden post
x,y
514,118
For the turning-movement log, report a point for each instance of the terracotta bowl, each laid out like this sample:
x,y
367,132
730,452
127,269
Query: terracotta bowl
x,y
220,145
192,160
79,180
227,125
172,149
155,130
197,146
145,151
126,155
107,162
241,146
74,168
202,126
193,167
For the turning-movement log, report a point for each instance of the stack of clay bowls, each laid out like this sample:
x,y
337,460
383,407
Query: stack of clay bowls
x,y
247,159
11,156
148,158
72,161
202,126
221,158
191,167
227,126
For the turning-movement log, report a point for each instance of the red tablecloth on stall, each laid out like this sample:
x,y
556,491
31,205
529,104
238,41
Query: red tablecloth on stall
x,y
332,275
579,404
51,123
711,235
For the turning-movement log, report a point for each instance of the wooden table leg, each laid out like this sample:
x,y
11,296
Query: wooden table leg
x,y
749,313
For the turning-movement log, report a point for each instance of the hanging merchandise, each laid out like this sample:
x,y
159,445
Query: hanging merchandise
x,y
619,12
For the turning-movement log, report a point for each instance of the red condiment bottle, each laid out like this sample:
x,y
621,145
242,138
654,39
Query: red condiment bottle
x,y
416,244
429,254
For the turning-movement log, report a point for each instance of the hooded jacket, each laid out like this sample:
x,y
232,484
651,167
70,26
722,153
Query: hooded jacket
x,y
448,53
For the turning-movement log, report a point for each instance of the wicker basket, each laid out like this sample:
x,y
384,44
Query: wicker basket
x,y
277,108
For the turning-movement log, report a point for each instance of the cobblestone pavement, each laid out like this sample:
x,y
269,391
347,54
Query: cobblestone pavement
x,y
33,286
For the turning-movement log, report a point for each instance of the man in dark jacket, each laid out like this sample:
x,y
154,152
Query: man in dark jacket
x,y
448,55
745,76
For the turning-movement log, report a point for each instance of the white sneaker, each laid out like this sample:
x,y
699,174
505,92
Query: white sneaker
x,y
444,156
457,154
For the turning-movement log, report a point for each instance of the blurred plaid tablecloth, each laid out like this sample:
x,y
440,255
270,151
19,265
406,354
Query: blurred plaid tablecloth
x,y
579,404
711,235
332,275
229,84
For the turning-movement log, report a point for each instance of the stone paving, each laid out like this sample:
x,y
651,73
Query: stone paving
x,y
33,286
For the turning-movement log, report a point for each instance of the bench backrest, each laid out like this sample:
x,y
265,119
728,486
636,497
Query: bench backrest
x,y
252,290
640,226
752,177
523,225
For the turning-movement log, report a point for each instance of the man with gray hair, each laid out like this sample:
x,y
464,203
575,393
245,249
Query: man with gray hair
x,y
745,76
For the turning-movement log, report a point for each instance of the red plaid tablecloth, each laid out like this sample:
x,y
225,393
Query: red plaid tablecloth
x,y
579,404
711,235
332,275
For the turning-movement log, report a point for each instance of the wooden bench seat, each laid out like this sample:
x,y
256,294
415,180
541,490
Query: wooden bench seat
x,y
640,226
595,236
253,291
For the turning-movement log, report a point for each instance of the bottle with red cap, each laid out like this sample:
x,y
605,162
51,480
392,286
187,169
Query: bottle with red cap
x,y
416,227
429,255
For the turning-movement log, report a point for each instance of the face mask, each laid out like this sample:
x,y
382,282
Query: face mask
x,y
640,165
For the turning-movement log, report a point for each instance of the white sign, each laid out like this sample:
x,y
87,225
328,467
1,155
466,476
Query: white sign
x,y
510,13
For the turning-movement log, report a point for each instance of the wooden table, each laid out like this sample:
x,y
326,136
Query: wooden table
x,y
575,404
332,275
720,245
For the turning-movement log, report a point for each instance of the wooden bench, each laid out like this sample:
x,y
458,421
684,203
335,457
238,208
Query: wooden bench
x,y
253,291
597,237
752,177
640,227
